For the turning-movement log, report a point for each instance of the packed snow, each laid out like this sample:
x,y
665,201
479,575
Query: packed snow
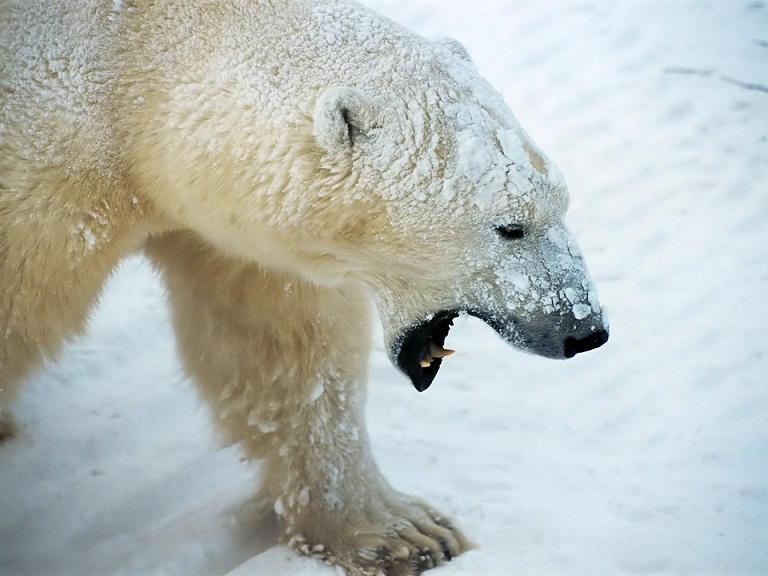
x,y
647,456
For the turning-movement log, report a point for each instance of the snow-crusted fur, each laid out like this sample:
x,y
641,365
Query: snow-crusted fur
x,y
282,163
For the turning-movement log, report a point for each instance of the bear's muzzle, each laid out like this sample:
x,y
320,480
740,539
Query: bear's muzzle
x,y
419,351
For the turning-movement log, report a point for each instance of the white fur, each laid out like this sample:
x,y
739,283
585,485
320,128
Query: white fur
x,y
282,163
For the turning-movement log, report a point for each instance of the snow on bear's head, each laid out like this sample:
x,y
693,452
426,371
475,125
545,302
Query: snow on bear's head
x,y
471,213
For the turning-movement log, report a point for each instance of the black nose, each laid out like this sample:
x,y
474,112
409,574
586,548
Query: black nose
x,y
575,346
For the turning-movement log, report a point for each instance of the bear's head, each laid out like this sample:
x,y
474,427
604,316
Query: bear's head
x,y
463,213
354,150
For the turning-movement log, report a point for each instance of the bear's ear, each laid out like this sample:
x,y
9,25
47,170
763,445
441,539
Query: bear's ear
x,y
456,48
342,116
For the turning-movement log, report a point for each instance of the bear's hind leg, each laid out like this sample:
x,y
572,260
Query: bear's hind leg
x,y
283,364
6,424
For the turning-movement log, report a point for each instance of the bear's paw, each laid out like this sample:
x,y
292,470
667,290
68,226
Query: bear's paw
x,y
396,535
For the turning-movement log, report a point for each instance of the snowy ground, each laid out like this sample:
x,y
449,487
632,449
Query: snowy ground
x,y
648,456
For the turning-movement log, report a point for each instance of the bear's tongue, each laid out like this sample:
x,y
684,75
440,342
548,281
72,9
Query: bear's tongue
x,y
434,351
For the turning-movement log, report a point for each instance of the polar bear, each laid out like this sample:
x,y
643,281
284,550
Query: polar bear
x,y
291,167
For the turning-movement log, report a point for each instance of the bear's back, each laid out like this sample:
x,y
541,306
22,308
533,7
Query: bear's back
x,y
56,74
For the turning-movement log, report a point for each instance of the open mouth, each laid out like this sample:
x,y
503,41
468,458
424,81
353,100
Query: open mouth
x,y
421,349
422,352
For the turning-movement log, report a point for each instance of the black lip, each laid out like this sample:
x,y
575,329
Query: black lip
x,y
414,346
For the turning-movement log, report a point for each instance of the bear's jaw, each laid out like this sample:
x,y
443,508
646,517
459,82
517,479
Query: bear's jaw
x,y
419,351
421,348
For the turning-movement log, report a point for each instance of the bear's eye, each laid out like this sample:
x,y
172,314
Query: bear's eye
x,y
510,231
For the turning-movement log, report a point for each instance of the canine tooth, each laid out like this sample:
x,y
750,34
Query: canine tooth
x,y
436,351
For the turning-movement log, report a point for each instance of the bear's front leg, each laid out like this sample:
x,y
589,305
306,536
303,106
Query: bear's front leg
x,y
334,502
283,363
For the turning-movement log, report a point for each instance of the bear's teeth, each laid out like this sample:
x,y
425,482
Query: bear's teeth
x,y
435,351
438,351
